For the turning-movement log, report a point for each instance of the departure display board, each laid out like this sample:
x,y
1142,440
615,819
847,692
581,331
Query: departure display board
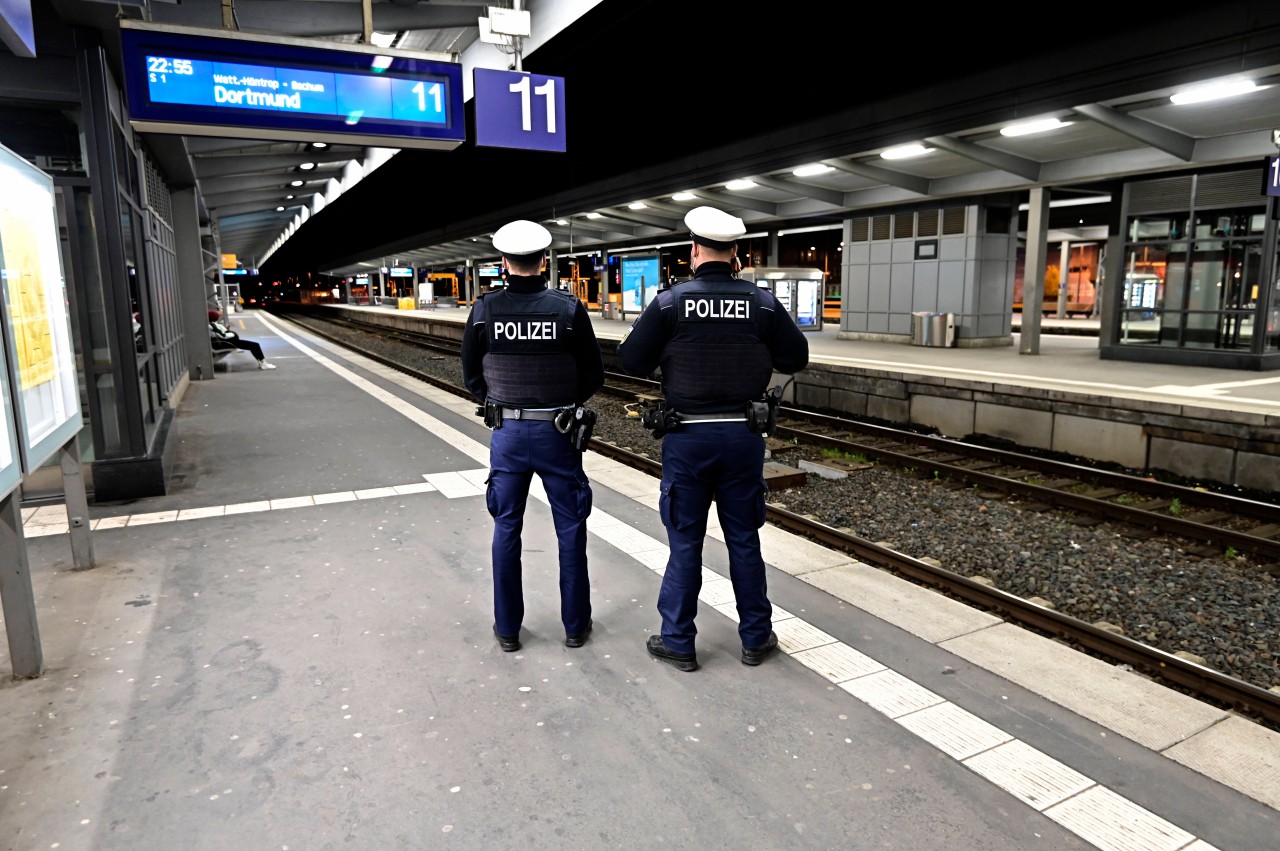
x,y
188,81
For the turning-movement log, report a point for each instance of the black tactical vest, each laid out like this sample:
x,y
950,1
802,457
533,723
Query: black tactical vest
x,y
528,362
715,359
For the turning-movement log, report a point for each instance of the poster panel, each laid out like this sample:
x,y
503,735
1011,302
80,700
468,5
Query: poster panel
x,y
10,466
35,314
640,281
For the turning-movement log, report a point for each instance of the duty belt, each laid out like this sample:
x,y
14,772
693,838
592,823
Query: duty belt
x,y
529,414
717,416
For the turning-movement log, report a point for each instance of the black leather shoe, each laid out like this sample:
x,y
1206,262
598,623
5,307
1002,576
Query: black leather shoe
x,y
577,639
682,661
759,654
509,643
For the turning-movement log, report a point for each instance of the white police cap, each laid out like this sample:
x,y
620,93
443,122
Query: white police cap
x,y
521,237
713,228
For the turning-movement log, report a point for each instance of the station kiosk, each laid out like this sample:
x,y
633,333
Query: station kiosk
x,y
799,289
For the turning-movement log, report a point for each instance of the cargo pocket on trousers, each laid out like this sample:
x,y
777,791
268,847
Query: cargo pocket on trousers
x,y
670,508
584,497
665,498
762,509
490,497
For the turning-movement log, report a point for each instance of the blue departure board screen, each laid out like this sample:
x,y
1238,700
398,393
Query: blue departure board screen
x,y
189,82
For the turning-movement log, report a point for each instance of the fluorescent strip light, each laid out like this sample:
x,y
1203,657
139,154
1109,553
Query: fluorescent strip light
x,y
811,170
810,229
1214,91
738,185
1037,126
1072,202
902,152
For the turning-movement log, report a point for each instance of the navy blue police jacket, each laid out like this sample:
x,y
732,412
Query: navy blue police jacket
x,y
527,346
717,339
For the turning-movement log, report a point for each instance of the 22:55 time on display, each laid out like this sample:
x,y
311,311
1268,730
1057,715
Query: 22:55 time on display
x,y
159,65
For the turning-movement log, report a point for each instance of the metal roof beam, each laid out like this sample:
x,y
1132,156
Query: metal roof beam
x,y
1169,141
1020,166
804,190
909,182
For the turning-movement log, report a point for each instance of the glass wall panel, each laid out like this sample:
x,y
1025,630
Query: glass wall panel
x,y
1144,292
1202,294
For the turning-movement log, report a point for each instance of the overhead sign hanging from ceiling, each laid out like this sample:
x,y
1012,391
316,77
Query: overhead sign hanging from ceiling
x,y
213,83
519,110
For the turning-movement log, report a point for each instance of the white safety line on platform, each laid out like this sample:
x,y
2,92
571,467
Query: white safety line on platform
x,y
1096,814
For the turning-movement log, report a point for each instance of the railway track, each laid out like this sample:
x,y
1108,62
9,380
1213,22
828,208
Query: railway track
x,y
1217,520
1220,522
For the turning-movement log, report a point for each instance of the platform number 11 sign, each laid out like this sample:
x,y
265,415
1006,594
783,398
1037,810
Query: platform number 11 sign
x,y
519,110
1271,177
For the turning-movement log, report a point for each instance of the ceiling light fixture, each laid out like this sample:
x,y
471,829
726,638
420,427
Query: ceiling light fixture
x,y
279,209
1040,125
637,205
812,169
1215,90
295,182
594,216
903,152
738,185
306,166
288,197
319,144
683,196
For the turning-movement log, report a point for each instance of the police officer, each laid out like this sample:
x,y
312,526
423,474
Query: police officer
x,y
718,340
530,355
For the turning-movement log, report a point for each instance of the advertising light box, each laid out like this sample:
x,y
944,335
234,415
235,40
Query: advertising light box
x,y
213,83
641,281
35,320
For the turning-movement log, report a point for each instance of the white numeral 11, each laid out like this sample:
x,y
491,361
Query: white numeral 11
x,y
547,89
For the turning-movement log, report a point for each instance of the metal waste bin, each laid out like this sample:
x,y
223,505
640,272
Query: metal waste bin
x,y
609,310
933,329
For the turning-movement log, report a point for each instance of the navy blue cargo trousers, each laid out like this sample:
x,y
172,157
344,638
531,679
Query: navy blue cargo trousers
x,y
701,462
517,451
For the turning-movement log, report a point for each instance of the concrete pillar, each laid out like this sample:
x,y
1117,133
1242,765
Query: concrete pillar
x,y
1033,271
193,284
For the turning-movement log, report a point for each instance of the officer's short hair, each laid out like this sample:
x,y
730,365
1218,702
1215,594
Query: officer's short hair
x,y
522,242
714,228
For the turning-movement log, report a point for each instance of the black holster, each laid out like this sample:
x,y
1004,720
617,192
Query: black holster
x,y
762,414
577,423
659,419
492,414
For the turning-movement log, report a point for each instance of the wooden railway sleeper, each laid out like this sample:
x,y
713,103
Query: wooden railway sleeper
x,y
1269,530
1102,493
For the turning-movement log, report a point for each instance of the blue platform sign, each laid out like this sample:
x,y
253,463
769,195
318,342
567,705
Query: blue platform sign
x,y
519,110
1271,177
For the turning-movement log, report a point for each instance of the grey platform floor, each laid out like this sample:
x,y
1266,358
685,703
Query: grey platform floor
x,y
292,650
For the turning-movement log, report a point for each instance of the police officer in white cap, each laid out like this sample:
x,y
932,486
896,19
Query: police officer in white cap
x,y
531,357
717,340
